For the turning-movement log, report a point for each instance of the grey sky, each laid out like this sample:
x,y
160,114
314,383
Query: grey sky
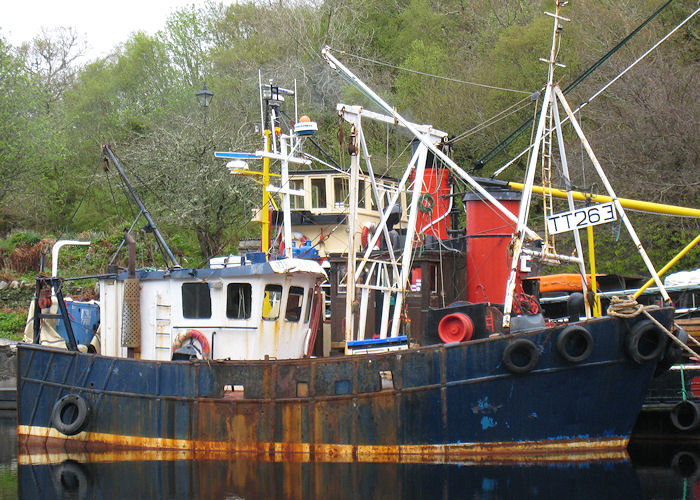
x,y
102,24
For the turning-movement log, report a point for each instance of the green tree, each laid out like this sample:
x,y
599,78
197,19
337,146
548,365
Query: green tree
x,y
15,115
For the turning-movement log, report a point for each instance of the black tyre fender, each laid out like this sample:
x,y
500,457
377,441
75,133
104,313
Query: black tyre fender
x,y
71,480
521,356
686,464
575,344
672,353
645,342
70,414
685,416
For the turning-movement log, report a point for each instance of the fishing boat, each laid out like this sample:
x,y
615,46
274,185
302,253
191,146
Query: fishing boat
x,y
219,359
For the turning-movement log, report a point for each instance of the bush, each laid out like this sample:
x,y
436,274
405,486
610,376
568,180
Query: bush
x,y
22,238
12,325
21,252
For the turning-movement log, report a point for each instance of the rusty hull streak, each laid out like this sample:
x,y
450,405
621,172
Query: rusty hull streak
x,y
34,454
336,409
504,452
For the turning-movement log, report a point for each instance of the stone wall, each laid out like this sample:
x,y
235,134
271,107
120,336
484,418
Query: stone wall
x,y
8,366
16,295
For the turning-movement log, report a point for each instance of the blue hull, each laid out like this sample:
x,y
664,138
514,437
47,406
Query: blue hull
x,y
448,401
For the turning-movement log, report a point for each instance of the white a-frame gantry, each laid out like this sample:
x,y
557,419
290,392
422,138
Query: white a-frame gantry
x,y
553,97
386,276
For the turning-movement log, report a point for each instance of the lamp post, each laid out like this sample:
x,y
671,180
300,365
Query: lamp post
x,y
204,98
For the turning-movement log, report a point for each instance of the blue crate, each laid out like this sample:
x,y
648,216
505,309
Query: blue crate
x,y
84,318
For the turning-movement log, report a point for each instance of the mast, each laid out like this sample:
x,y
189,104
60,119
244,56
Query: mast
x,y
265,215
524,212
352,217
272,96
553,97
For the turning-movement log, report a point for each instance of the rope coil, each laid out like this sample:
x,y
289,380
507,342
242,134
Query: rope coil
x,y
626,306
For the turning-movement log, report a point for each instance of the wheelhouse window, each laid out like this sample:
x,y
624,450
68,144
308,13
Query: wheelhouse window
x,y
309,301
238,300
341,273
296,202
294,301
196,300
341,192
361,194
272,299
381,197
318,193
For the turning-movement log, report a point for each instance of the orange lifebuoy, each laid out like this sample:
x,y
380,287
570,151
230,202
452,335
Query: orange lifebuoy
x,y
194,335
366,235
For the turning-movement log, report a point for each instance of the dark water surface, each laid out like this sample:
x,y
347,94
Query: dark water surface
x,y
654,471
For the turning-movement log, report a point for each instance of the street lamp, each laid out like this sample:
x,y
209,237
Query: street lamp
x,y
204,97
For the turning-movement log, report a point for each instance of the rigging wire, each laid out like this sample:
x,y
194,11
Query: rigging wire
x,y
494,119
114,200
318,160
431,75
603,88
516,133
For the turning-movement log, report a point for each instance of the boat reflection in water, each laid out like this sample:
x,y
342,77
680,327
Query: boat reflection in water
x,y
182,475
668,469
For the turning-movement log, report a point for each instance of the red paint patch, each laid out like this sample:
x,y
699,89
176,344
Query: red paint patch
x,y
695,387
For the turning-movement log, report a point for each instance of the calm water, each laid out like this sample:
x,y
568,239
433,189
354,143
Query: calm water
x,y
658,471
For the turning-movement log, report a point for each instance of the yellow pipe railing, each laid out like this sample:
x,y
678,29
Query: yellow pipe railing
x,y
645,206
265,226
668,266
594,281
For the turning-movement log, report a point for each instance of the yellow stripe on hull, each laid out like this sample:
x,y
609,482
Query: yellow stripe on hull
x,y
498,452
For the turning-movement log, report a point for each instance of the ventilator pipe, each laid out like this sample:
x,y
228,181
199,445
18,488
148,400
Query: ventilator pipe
x,y
54,253
131,247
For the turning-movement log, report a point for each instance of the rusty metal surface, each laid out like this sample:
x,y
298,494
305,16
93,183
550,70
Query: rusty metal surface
x,y
131,314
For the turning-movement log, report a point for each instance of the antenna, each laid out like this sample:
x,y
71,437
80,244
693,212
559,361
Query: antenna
x,y
262,112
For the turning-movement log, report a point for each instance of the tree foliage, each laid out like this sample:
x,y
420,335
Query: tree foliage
x,y
55,114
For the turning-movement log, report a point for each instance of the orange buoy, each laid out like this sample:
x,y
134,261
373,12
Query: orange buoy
x,y
194,335
304,118
455,327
